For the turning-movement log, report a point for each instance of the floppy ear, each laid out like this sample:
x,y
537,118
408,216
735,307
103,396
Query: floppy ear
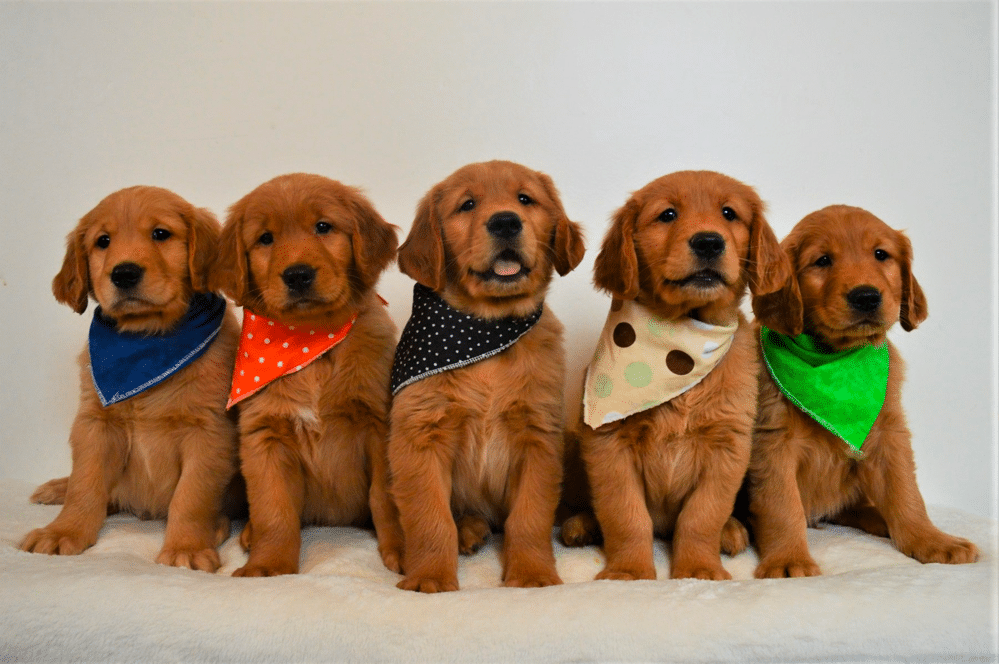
x,y
421,257
229,272
780,309
72,285
203,239
567,237
374,241
616,268
768,267
913,304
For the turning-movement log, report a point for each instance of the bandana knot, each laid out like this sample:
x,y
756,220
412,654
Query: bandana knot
x,y
123,364
643,360
438,337
842,390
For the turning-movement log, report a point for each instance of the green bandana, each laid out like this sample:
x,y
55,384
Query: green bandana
x,y
842,390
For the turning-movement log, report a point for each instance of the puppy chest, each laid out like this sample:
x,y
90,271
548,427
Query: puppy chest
x,y
482,473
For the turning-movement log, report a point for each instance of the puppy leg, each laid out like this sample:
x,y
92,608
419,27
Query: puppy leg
x,y
620,507
421,485
527,546
385,516
52,492
194,519
778,520
276,493
889,481
735,538
98,457
473,531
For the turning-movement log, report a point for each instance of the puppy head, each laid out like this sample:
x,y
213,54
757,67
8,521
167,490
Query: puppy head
x,y
302,248
691,240
141,253
853,279
488,238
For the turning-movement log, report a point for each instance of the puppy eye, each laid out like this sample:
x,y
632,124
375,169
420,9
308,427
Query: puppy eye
x,y
728,213
524,199
266,239
823,261
323,227
103,242
161,234
467,205
668,215
881,254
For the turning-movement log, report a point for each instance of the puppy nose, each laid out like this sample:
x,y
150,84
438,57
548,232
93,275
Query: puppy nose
x,y
707,245
299,277
504,225
127,275
865,299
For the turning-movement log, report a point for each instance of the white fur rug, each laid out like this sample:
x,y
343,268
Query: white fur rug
x,y
114,603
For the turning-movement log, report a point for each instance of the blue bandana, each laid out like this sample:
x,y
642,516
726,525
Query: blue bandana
x,y
125,363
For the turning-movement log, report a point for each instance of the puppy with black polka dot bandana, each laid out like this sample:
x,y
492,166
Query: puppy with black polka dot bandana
x,y
670,396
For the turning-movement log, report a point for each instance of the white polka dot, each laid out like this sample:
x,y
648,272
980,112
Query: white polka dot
x,y
249,335
246,355
284,345
271,323
261,360
237,390
312,331
252,317
329,336
291,327
242,372
280,364
305,349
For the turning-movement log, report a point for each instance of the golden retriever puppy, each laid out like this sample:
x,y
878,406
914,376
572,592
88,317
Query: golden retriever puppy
x,y
151,435
302,254
477,413
831,440
670,396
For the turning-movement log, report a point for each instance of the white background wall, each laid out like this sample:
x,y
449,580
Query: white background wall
x,y
889,106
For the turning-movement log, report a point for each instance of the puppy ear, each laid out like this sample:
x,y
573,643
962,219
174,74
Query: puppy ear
x,y
203,240
780,309
616,268
567,237
913,303
421,257
229,272
374,241
768,267
72,285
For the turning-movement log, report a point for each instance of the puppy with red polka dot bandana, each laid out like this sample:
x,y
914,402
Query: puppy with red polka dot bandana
x,y
670,397
302,253
477,414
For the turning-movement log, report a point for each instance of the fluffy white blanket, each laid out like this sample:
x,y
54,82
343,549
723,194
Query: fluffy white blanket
x,y
114,603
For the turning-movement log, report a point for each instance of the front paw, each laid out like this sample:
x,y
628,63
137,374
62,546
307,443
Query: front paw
x,y
790,568
735,538
619,573
942,549
275,568
52,492
473,532
55,541
204,560
580,530
704,571
392,557
525,578
429,584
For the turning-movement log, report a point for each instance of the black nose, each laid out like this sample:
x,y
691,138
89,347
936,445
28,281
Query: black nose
x,y
504,225
299,277
707,245
126,275
865,299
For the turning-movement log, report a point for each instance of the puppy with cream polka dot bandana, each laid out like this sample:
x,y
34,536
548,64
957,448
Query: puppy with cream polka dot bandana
x,y
270,349
643,360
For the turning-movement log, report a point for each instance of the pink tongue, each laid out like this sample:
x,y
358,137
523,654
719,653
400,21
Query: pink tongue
x,y
506,268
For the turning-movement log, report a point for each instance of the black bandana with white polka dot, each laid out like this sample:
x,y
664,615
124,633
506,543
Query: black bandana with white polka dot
x,y
439,338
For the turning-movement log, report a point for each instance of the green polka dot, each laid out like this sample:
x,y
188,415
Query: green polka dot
x,y
655,325
603,386
638,374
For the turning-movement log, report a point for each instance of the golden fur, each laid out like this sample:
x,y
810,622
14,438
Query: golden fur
x,y
169,451
481,445
312,443
799,472
675,469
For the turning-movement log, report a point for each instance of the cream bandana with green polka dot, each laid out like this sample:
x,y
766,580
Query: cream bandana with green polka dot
x,y
643,360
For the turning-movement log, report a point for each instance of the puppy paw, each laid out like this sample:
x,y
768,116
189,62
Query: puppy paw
x,y
392,558
705,572
472,534
428,585
943,549
245,536
735,538
780,569
52,492
579,530
623,574
204,560
266,569
53,541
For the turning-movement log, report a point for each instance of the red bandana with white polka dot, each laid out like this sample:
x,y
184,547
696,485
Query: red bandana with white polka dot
x,y
270,349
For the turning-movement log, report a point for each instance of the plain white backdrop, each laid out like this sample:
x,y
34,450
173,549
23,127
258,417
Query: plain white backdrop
x,y
890,106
